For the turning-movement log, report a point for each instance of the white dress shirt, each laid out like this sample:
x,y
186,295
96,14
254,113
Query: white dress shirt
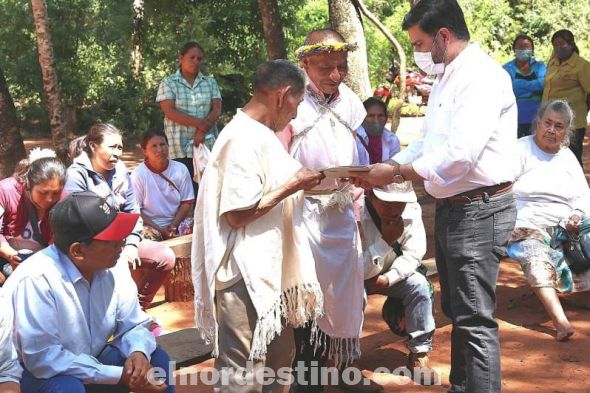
x,y
412,242
10,370
468,139
62,322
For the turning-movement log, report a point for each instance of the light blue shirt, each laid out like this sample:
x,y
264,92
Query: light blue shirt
x,y
10,370
63,322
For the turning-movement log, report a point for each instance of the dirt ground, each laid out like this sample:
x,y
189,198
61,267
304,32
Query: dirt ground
x,y
532,361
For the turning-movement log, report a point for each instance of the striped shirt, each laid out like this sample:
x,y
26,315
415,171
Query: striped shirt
x,y
193,100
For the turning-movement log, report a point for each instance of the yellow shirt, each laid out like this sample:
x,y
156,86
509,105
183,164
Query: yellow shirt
x,y
570,81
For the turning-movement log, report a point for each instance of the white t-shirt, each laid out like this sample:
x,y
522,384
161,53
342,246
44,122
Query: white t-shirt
x,y
158,199
548,187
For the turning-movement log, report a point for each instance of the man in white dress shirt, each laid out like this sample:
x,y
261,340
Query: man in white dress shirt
x,y
464,157
78,325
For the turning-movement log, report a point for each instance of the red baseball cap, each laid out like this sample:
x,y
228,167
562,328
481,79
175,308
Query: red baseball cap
x,y
82,216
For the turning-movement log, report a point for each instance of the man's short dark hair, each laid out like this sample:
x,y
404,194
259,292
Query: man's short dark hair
x,y
275,74
372,101
523,37
432,15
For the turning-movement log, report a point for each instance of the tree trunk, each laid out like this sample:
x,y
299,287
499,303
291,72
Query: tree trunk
x,y
12,148
137,36
50,82
273,29
345,19
395,116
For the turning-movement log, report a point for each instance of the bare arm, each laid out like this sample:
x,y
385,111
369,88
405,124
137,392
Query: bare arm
x,y
183,212
170,111
214,113
149,222
9,387
10,254
383,174
304,179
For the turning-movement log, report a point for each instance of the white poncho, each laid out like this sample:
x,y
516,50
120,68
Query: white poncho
x,y
325,138
272,253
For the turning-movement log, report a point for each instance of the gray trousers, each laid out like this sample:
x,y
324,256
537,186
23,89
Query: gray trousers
x,y
467,238
236,317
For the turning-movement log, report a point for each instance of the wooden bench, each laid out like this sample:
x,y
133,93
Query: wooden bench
x,y
185,347
179,287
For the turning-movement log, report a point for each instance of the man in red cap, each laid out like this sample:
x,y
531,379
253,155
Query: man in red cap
x,y
68,304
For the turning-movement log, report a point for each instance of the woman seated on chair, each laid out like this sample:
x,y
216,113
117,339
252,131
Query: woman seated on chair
x,y
163,189
553,199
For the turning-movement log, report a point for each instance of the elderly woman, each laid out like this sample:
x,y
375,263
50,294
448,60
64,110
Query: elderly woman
x,y
552,195
163,189
568,78
25,201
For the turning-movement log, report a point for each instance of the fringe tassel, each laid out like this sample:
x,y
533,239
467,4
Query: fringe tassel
x,y
340,199
342,350
296,306
206,325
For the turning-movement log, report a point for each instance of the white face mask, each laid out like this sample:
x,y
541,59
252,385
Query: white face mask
x,y
426,64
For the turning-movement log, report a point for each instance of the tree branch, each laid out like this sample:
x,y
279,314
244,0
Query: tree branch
x,y
400,51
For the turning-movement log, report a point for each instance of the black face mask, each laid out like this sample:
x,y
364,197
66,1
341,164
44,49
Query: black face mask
x,y
564,52
373,129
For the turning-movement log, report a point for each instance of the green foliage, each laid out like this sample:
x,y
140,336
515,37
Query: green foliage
x,y
93,45
492,23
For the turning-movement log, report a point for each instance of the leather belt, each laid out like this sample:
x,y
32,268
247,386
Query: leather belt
x,y
479,194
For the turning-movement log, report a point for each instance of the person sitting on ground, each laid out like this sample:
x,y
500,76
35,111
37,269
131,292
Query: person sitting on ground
x,y
25,201
163,189
99,169
78,326
253,269
394,243
10,369
552,194
375,142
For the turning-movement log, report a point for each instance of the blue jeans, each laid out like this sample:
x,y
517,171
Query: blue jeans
x,y
415,295
5,267
467,240
68,384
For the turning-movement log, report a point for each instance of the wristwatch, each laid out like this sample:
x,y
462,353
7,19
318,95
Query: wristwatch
x,y
397,176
